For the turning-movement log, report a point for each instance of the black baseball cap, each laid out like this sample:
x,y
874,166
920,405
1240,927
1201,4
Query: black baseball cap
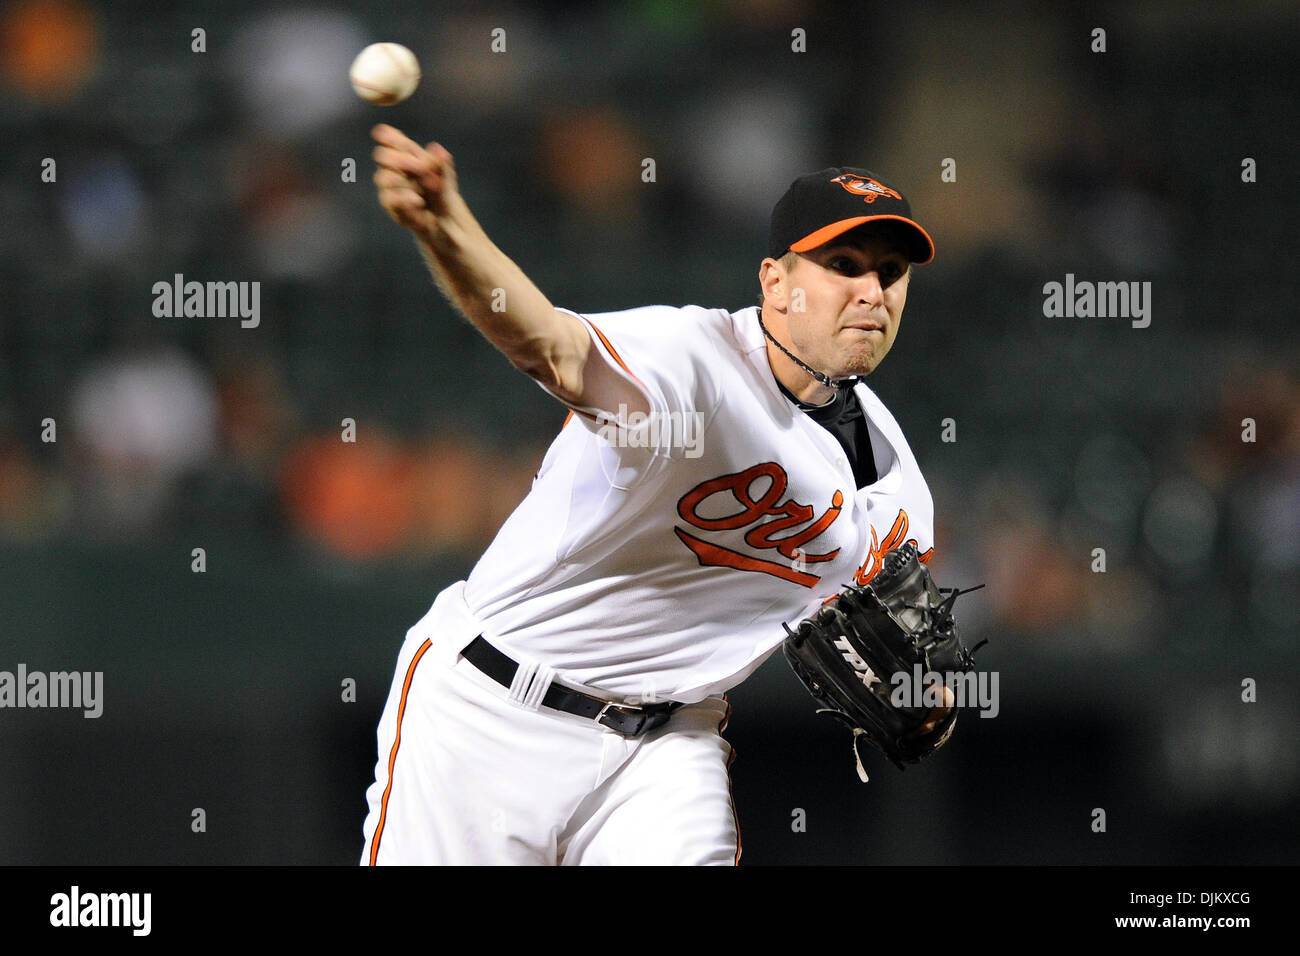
x,y
828,203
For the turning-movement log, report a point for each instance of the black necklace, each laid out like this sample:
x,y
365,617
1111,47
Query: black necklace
x,y
824,379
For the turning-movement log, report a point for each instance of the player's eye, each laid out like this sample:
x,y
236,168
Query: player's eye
x,y
891,272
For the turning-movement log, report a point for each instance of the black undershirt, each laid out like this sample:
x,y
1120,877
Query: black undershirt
x,y
842,416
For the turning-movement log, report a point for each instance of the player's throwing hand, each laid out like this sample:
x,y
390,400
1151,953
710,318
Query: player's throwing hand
x,y
417,185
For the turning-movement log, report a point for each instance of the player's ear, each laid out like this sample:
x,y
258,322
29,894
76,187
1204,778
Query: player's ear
x,y
772,280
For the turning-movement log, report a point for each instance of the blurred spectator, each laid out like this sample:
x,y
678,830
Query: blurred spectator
x,y
380,496
486,82
351,498
257,413
291,68
49,49
592,159
139,421
466,491
104,208
32,495
238,491
744,143
1033,585
296,229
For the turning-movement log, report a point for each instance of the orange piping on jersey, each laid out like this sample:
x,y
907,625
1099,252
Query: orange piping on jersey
x,y
736,819
614,352
731,796
567,418
392,757
713,555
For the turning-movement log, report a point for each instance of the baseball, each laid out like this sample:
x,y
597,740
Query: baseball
x,y
385,73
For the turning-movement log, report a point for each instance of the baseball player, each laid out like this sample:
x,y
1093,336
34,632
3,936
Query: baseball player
x,y
719,473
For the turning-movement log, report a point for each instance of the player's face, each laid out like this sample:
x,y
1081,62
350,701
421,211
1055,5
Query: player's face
x,y
854,289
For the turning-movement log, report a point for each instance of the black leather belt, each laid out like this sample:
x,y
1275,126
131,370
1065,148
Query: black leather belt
x,y
630,720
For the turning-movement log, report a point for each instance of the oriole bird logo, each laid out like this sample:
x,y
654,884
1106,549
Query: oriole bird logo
x,y
868,189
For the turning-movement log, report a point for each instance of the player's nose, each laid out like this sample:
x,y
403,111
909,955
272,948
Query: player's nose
x,y
871,291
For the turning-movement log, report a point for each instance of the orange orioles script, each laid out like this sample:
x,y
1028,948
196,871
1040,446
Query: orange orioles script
x,y
788,514
876,553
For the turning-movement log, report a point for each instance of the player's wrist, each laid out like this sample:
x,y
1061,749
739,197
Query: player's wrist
x,y
453,232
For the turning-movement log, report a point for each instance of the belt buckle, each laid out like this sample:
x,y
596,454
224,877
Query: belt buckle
x,y
623,710
647,719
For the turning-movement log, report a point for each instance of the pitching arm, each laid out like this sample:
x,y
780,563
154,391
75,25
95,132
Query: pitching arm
x,y
417,188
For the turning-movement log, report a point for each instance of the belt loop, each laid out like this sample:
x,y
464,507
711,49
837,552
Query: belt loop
x,y
531,682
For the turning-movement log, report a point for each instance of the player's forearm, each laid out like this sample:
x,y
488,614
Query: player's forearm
x,y
503,303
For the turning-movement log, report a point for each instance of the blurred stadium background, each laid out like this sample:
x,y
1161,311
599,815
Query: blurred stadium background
x,y
1119,690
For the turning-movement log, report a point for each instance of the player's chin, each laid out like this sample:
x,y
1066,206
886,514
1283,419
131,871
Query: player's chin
x,y
861,362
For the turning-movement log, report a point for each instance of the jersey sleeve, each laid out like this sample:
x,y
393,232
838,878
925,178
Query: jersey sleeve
x,y
671,356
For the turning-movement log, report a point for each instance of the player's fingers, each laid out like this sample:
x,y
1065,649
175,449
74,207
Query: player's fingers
x,y
945,694
938,714
390,179
446,166
405,206
397,197
401,199
440,153
414,165
425,172
394,138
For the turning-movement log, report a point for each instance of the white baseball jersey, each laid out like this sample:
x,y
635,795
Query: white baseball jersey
x,y
659,559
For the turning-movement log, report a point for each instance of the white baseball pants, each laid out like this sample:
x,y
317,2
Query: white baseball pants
x,y
467,775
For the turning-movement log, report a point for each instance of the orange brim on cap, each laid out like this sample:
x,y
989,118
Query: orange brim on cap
x,y
828,232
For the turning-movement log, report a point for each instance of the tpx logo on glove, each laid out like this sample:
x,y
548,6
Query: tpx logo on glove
x,y
787,514
855,661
